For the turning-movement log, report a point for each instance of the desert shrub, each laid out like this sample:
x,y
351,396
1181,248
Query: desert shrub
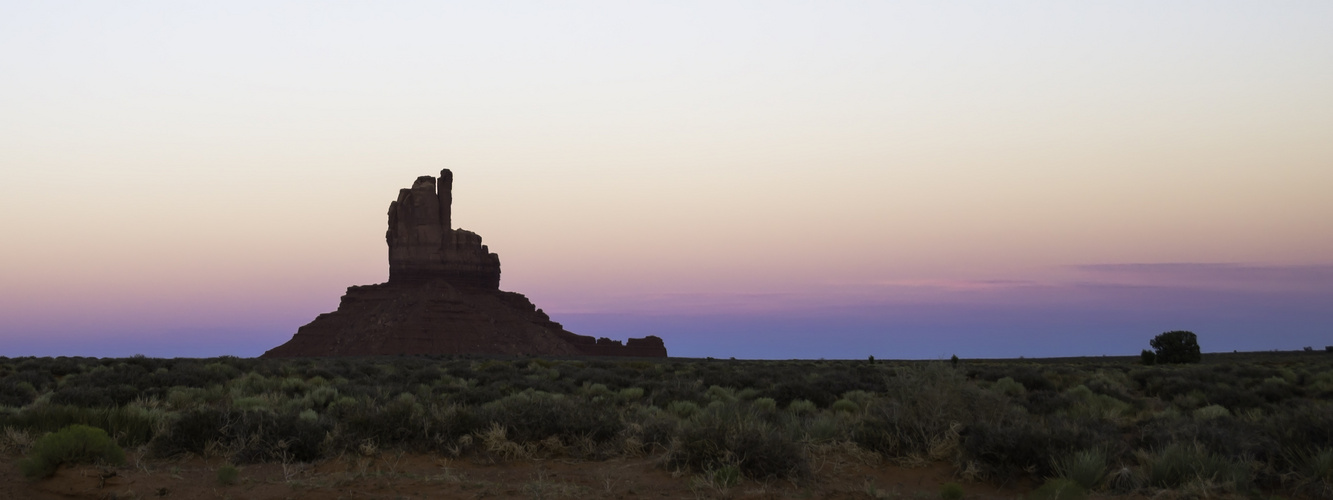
x,y
1302,424
1059,489
534,416
130,425
845,406
1047,402
16,393
920,412
732,435
1176,346
1088,405
1312,470
1225,435
1019,445
75,444
652,426
1110,383
1177,465
1009,387
1211,412
193,374
719,393
400,421
825,427
631,393
277,437
1087,468
786,392
250,436
765,404
682,409
800,407
95,396
1031,377
476,395
1275,390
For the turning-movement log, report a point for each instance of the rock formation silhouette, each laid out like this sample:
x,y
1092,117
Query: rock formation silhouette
x,y
443,297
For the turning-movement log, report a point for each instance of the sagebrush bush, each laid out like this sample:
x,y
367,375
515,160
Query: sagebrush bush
x,y
845,406
131,425
732,434
919,412
1087,468
801,406
765,404
76,444
1019,445
534,416
1211,412
1009,387
1177,465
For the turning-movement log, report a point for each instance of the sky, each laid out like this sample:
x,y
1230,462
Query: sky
x,y
768,179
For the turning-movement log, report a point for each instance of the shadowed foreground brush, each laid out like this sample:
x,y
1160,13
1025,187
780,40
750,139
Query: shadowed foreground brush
x,y
76,444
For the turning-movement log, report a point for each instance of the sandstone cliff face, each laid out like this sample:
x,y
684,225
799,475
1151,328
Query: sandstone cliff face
x,y
422,245
443,297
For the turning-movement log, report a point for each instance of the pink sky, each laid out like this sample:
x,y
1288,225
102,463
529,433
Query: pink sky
x,y
202,180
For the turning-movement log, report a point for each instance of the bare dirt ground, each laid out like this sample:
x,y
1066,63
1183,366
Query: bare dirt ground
x,y
389,475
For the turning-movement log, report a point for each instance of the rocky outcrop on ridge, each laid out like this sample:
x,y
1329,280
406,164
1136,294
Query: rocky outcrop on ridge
x,y
443,297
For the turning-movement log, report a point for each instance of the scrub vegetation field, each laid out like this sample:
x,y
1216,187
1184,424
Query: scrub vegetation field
x,y
1255,425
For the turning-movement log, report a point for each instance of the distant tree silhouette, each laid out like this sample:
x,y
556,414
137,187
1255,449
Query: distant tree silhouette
x,y
1148,357
1176,346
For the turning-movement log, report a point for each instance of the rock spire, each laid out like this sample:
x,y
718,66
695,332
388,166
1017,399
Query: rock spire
x,y
443,297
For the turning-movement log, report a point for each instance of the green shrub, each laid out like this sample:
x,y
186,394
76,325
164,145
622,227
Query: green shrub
x,y
800,407
725,476
1086,468
682,409
1177,465
1211,412
1148,357
1059,489
765,404
534,416
729,434
131,425
1009,387
76,444
631,393
845,406
16,394
1087,405
1313,470
1021,444
719,393
825,427
920,412
951,491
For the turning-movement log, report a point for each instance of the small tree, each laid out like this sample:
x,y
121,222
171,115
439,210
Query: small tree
x,y
1148,357
1176,346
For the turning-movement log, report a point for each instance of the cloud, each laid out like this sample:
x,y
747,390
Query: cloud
x,y
1214,275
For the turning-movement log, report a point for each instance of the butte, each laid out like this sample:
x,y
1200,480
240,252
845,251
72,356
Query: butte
x,y
443,297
